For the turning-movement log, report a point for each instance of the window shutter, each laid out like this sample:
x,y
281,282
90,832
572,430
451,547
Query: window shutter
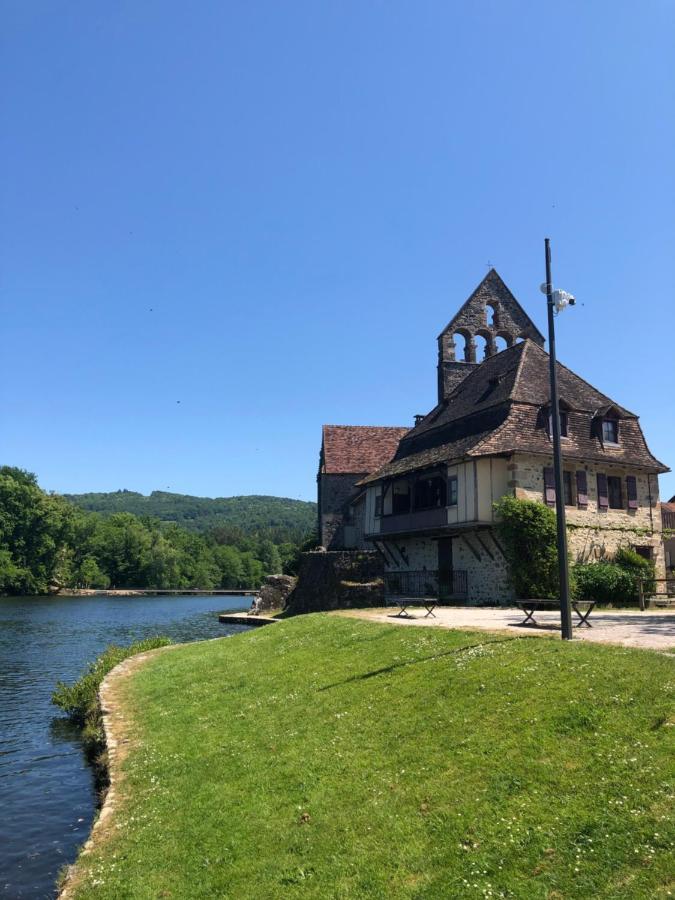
x,y
549,486
582,488
631,490
603,497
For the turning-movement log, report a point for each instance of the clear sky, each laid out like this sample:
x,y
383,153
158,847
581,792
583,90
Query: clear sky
x,y
225,223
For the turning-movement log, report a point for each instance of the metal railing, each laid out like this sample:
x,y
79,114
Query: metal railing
x,y
427,584
648,590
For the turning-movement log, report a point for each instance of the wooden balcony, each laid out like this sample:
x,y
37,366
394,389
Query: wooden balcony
x,y
422,520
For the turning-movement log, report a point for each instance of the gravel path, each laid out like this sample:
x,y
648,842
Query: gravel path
x,y
652,629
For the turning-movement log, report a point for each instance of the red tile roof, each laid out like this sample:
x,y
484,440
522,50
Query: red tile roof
x,y
358,449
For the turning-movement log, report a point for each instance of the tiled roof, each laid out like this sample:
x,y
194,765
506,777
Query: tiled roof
x,y
498,408
358,449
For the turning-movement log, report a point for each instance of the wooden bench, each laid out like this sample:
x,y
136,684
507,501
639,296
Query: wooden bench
x,y
404,602
583,609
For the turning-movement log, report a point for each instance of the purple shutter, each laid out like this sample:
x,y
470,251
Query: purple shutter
x,y
582,488
603,497
549,486
631,490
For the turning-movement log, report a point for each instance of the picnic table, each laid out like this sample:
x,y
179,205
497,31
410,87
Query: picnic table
x,y
583,609
404,602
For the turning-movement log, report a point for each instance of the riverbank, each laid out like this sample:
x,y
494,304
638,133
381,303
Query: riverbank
x,y
151,592
49,798
330,757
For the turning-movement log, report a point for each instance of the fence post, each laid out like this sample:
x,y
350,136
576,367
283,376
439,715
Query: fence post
x,y
641,594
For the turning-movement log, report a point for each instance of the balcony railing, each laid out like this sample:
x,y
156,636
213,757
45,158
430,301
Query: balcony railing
x,y
427,584
419,520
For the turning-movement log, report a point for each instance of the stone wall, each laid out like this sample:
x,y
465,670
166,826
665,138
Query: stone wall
x,y
338,580
335,492
274,593
476,553
509,322
594,533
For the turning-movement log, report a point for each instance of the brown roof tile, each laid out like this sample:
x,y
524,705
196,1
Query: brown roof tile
x,y
358,449
499,408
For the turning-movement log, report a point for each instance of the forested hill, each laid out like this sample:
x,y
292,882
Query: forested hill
x,y
249,514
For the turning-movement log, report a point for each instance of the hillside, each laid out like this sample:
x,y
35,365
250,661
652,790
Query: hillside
x,y
250,514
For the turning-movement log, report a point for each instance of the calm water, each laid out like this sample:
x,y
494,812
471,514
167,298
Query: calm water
x,y
47,800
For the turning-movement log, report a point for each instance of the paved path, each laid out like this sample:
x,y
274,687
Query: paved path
x,y
653,629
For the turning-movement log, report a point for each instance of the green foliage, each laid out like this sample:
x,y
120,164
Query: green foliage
x,y
44,540
638,567
278,519
80,700
292,563
34,528
528,531
615,581
604,582
327,757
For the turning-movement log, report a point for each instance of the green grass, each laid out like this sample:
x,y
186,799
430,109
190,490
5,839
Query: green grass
x,y
327,757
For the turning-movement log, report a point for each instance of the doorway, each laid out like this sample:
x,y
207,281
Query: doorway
x,y
445,579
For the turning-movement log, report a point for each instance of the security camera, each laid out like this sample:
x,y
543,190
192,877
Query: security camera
x,y
561,299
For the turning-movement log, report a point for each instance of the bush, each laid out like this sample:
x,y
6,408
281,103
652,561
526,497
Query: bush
x,y
528,531
638,567
80,700
604,582
292,564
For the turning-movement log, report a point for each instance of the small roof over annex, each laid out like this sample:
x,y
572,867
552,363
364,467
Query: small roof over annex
x,y
357,449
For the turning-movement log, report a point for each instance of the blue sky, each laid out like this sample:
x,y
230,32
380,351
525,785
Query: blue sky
x,y
267,211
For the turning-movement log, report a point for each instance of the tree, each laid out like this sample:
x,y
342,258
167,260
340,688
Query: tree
x,y
528,532
123,550
33,531
270,558
89,575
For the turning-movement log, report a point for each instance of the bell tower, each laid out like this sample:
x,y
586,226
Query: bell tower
x,y
490,313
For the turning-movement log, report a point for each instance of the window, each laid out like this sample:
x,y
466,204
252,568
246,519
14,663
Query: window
x,y
378,505
430,492
644,552
614,492
400,497
563,424
452,490
567,489
610,431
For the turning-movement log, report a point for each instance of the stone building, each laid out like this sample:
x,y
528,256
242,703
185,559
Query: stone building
x,y
429,509
668,522
348,454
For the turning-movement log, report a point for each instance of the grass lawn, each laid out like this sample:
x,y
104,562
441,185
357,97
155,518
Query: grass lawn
x,y
334,758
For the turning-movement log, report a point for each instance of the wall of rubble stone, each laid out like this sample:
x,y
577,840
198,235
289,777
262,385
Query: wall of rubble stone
x,y
593,533
475,553
275,591
338,580
335,492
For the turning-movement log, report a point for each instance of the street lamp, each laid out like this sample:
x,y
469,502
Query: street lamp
x,y
556,302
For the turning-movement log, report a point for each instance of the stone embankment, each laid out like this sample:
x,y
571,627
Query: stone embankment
x,y
118,740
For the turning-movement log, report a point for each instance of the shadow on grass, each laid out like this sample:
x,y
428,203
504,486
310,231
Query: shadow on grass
x,y
385,670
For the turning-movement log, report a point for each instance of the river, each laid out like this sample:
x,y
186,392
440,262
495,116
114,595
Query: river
x,y
47,799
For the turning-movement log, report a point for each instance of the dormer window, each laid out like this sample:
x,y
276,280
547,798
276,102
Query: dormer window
x,y
563,424
610,431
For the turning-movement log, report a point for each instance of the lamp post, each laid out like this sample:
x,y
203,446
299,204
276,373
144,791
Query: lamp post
x,y
556,301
